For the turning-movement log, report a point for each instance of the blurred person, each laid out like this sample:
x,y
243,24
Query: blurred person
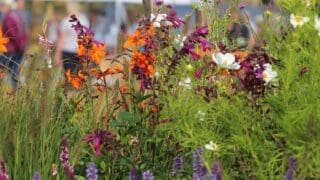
x,y
238,31
66,47
13,27
52,25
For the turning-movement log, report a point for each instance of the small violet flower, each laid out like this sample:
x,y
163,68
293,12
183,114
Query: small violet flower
x,y
133,174
226,61
92,172
147,176
177,166
36,176
298,21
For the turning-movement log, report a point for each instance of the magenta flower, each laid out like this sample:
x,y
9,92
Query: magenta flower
x,y
159,2
205,44
3,171
201,31
102,138
64,159
176,21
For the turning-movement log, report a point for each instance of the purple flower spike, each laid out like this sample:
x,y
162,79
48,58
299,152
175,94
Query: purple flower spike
x,y
36,176
3,171
133,174
159,2
177,166
64,159
147,176
92,172
291,170
198,166
216,171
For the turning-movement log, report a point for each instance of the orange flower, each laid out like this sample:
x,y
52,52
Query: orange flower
x,y
143,61
134,40
3,42
123,88
241,55
97,52
76,81
201,52
82,51
68,75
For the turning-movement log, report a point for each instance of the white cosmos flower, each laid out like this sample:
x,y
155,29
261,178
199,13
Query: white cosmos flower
x,y
227,61
317,24
186,83
211,146
180,40
298,20
268,74
158,18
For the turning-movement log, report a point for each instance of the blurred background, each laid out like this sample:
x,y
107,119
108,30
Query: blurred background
x,y
111,21
107,17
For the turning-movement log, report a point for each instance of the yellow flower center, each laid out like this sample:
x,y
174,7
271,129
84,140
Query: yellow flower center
x,y
225,62
298,19
264,75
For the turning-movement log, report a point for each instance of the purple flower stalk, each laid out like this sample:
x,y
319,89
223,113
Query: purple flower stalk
x,y
177,166
3,171
216,171
92,172
36,176
291,170
159,2
198,166
133,174
64,159
147,176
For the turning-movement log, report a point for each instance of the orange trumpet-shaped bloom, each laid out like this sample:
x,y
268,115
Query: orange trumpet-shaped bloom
x,y
75,80
97,52
134,40
3,42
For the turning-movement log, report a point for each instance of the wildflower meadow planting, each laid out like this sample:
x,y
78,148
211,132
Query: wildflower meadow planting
x,y
171,104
